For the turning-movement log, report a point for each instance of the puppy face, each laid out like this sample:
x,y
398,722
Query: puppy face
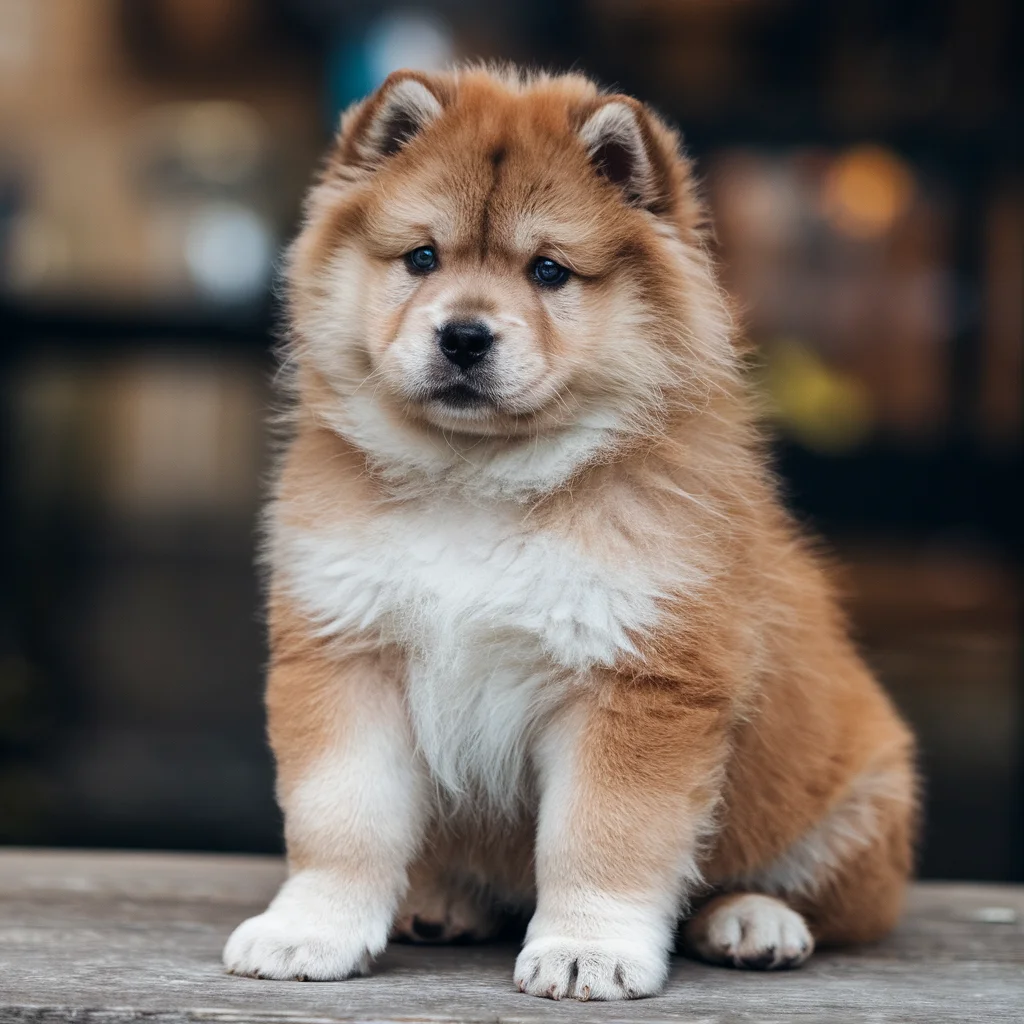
x,y
488,257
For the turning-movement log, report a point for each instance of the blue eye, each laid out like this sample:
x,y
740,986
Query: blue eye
x,y
549,273
421,260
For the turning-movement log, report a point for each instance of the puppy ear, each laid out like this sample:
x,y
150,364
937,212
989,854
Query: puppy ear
x,y
400,109
618,141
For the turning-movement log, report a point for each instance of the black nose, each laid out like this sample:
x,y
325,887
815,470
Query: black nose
x,y
465,342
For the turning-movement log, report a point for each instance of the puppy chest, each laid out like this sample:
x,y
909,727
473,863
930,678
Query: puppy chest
x,y
476,591
495,621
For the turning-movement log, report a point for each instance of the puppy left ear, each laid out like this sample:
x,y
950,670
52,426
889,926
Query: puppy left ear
x,y
400,109
618,141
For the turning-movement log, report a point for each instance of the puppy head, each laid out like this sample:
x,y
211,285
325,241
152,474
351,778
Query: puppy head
x,y
493,256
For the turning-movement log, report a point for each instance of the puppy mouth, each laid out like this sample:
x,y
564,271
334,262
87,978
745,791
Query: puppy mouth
x,y
473,401
460,395
474,406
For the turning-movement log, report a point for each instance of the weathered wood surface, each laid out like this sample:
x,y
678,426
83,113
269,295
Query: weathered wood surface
x,y
96,937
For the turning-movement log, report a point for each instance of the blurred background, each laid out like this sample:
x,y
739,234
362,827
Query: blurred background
x,y
862,158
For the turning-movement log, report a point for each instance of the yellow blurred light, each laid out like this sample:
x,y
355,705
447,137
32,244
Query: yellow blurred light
x,y
823,408
865,190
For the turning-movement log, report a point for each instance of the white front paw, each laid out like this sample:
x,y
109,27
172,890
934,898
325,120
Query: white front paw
x,y
273,945
310,932
590,969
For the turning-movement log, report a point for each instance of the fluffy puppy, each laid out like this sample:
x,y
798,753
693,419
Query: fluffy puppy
x,y
542,634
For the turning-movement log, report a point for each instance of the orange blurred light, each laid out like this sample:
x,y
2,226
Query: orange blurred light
x,y
865,190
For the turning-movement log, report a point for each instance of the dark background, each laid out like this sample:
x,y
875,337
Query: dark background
x,y
862,160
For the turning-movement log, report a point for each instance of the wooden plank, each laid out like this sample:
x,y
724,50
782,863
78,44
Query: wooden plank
x,y
92,937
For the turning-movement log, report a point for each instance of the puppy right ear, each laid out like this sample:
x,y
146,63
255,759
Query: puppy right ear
x,y
617,138
394,115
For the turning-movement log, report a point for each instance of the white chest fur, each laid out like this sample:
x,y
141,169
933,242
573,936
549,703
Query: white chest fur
x,y
496,618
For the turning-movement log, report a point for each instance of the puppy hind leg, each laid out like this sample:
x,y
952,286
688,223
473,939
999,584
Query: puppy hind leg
x,y
843,882
863,899
747,929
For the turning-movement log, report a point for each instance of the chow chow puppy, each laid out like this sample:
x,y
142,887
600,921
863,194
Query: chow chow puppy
x,y
542,635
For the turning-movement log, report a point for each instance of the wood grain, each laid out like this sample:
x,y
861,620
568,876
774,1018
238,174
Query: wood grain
x,y
116,937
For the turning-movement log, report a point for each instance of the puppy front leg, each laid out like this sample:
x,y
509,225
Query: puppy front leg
x,y
353,799
628,785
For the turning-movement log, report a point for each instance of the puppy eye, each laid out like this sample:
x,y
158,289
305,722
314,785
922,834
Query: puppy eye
x,y
422,260
549,273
